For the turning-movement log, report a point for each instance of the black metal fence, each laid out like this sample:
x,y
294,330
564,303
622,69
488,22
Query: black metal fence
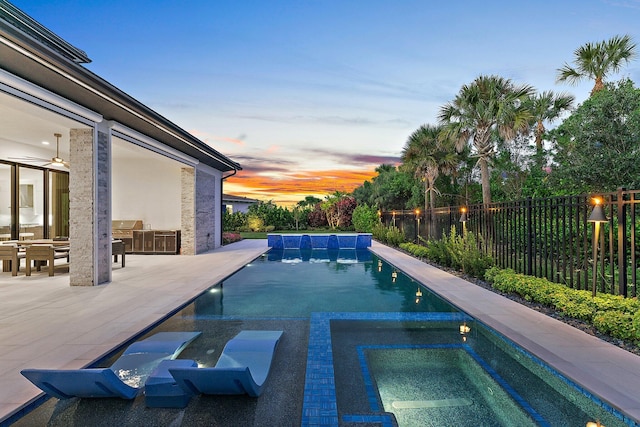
x,y
548,237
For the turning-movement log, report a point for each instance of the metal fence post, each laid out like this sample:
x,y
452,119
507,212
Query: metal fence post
x,y
529,237
622,242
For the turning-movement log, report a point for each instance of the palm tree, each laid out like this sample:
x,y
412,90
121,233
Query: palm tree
x,y
547,107
597,60
426,155
488,106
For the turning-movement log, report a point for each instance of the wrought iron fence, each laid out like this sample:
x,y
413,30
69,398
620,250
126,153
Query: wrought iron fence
x,y
548,237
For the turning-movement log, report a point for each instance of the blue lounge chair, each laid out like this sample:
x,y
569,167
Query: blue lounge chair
x,y
124,379
243,366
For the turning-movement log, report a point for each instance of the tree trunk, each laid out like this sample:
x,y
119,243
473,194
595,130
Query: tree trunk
x,y
484,174
539,132
598,86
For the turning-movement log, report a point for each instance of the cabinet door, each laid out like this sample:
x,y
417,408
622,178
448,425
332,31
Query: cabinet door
x,y
128,244
171,244
138,241
149,237
160,243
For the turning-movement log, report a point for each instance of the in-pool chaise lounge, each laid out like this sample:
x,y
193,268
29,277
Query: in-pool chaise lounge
x,y
243,366
124,379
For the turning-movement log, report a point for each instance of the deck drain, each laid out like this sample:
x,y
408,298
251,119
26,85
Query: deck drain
x,y
418,404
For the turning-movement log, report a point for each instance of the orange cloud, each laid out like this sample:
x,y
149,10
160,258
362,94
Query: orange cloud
x,y
290,188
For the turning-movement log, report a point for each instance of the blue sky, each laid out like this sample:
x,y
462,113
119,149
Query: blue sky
x,y
311,96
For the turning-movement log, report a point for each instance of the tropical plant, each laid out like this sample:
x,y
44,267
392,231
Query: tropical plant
x,y
390,189
488,107
597,147
598,60
426,155
338,208
272,215
547,107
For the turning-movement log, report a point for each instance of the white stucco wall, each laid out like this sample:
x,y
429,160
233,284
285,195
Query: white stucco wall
x,y
147,189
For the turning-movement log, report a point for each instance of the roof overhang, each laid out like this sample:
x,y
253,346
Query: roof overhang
x,y
41,64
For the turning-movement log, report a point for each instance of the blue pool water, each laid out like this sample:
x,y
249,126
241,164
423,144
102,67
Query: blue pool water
x,y
363,345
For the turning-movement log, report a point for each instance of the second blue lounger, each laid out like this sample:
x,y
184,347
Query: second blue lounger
x,y
243,366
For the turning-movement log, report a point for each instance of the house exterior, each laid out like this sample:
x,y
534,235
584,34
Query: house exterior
x,y
123,160
234,204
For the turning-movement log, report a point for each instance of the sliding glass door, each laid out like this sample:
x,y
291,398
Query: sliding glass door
x,y
34,202
31,202
6,200
58,204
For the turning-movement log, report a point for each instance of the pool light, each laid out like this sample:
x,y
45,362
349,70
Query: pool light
x,y
379,265
394,276
464,331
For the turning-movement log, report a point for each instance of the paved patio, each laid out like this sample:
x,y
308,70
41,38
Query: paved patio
x,y
46,323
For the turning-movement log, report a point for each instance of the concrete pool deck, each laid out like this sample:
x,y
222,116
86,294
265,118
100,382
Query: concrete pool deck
x,y
46,323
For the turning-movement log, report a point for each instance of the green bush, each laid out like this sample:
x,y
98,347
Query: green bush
x,y
364,218
233,221
394,236
610,314
255,223
379,232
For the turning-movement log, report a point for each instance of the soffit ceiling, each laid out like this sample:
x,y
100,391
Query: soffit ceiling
x,y
30,125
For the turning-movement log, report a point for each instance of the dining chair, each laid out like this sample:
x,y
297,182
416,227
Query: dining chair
x,y
39,253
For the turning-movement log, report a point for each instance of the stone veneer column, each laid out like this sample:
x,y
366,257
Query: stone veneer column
x,y
187,226
89,208
205,212
198,211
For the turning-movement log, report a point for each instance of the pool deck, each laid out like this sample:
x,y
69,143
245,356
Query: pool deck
x,y
45,323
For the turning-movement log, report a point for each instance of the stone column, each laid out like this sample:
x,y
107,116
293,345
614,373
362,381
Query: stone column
x,y
89,207
187,226
206,207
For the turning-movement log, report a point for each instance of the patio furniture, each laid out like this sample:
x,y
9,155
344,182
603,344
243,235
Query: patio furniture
x,y
243,366
118,248
161,389
39,253
124,379
10,256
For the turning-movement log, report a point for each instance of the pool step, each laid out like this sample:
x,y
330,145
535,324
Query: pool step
x,y
442,403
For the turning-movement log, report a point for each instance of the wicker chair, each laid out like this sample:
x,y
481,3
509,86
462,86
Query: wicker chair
x,y
40,253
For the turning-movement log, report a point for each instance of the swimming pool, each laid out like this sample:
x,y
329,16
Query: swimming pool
x,y
363,344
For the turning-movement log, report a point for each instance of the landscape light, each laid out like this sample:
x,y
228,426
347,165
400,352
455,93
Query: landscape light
x,y
597,216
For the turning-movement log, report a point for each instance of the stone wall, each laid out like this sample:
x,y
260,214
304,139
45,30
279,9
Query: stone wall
x,y
187,182
103,208
206,207
81,199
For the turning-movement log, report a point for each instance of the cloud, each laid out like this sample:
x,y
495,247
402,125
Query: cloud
x,y
293,186
209,139
327,120
357,159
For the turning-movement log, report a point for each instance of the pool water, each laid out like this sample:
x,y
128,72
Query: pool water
x,y
363,345
296,283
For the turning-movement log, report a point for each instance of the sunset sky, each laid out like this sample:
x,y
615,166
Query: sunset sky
x,y
311,96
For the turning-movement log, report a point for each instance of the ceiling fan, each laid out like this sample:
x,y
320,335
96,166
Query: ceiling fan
x,y
56,161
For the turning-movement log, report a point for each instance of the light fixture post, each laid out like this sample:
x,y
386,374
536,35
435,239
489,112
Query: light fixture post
x,y
597,217
418,220
463,219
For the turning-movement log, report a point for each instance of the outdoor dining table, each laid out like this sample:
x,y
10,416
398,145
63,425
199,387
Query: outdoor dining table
x,y
59,246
